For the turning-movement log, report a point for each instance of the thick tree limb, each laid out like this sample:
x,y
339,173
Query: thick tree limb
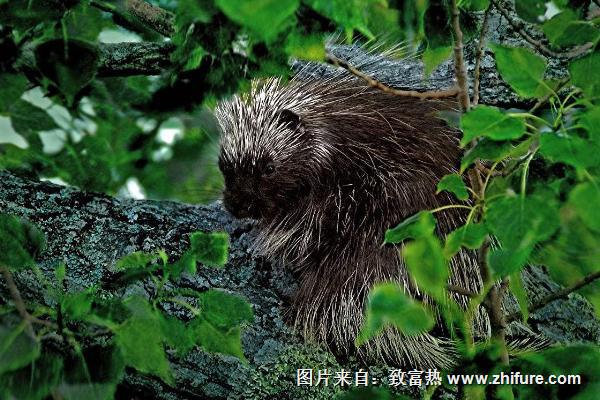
x,y
140,12
89,232
125,59
560,294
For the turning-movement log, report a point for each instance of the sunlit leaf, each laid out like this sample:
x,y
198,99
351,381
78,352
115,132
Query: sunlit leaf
x,y
470,236
147,355
211,249
389,305
453,183
265,18
522,69
420,224
433,57
565,29
584,74
427,266
490,122
13,86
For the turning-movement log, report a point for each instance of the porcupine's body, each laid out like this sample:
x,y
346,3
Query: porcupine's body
x,y
326,166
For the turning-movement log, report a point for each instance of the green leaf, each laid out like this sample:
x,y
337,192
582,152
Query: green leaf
x,y
584,74
590,121
427,265
195,58
217,329
522,69
349,14
311,48
17,348
573,255
389,305
265,18
531,10
25,14
570,149
517,288
418,225
490,150
13,86
470,236
565,30
77,306
218,341
490,122
178,335
69,65
225,310
521,222
186,263
574,359
147,355
137,259
474,5
21,241
210,249
510,261
28,119
432,57
60,273
584,199
36,381
454,184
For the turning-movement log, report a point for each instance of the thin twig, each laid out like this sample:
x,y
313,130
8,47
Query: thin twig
x,y
479,56
459,60
438,94
17,299
518,27
556,295
462,291
493,302
547,96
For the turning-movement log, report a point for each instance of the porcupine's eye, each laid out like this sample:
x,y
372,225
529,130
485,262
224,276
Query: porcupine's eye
x,y
269,169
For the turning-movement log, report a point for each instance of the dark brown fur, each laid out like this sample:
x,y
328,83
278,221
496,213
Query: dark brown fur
x,y
362,161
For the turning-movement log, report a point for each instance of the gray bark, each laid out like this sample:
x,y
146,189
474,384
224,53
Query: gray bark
x,y
90,231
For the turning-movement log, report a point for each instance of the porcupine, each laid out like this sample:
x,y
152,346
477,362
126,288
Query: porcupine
x,y
326,166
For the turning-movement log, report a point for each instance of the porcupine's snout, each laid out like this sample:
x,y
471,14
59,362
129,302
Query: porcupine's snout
x,y
240,204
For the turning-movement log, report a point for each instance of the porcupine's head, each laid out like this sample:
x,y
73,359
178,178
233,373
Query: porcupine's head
x,y
270,157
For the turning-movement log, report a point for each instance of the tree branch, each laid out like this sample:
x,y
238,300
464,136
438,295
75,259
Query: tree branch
x,y
479,55
462,291
437,94
518,26
557,295
17,299
459,60
130,58
140,12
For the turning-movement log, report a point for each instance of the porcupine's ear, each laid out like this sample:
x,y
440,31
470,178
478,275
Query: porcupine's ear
x,y
290,119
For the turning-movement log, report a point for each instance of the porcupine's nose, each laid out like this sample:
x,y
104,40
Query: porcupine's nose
x,y
238,206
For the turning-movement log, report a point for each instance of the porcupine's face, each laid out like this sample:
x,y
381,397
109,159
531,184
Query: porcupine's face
x,y
267,156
